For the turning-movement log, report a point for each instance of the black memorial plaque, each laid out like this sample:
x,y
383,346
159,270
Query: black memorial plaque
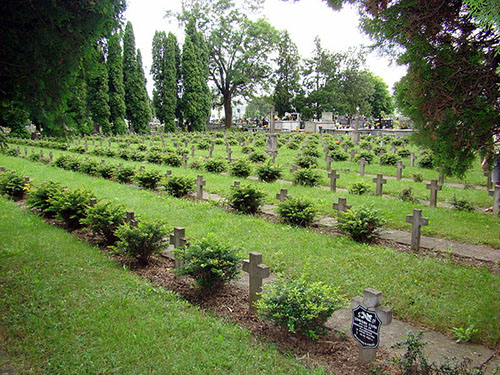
x,y
365,327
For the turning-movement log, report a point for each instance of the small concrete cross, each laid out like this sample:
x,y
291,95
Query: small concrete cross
x,y
199,187
282,195
210,151
333,180
229,152
371,301
168,173
341,205
416,221
184,161
256,273
100,142
489,184
103,161
434,187
441,176
235,184
186,143
352,153
362,163
380,181
393,149
26,181
274,154
399,169
26,151
51,156
496,198
192,151
142,168
328,164
131,219
412,159
178,239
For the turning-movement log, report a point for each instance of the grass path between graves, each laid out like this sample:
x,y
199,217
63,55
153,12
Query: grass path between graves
x,y
424,290
66,309
468,227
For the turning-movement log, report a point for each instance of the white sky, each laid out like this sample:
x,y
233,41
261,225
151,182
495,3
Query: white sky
x,y
304,20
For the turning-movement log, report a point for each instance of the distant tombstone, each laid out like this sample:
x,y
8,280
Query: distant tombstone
x,y
51,156
235,184
412,159
341,205
282,195
489,184
271,143
273,156
256,273
416,221
399,169
177,240
41,154
229,153
199,187
433,187
333,180
393,149
352,153
328,164
346,146
327,116
130,219
379,181
441,176
186,143
496,198
192,151
26,151
210,151
362,163
168,173
142,168
185,161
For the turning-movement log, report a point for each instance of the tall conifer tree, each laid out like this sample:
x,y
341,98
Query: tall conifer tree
x,y
116,89
97,92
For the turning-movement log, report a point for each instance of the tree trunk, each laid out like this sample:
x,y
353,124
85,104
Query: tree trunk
x,y
228,111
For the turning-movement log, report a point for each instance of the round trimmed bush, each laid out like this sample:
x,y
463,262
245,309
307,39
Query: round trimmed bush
x,y
268,172
361,224
179,186
246,198
307,177
240,168
296,211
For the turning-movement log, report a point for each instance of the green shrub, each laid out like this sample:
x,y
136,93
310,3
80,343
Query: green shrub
x,y
259,143
77,148
379,150
209,263
105,170
417,177
247,149
299,306
179,186
257,157
365,145
461,204
103,219
88,167
172,159
124,174
337,154
154,157
361,224
389,159
296,211
404,153
109,153
241,168
307,177
406,195
67,162
203,145
306,161
11,152
268,172
369,156
359,188
293,146
34,157
124,154
182,151
219,141
246,198
148,179
312,152
142,241
142,147
137,156
71,205
39,198
216,165
196,164
12,185
426,160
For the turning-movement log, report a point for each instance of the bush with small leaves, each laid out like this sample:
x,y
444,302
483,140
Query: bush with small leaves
x,y
240,168
461,204
12,185
124,174
142,241
359,188
246,198
11,152
71,205
295,211
389,159
103,219
142,147
110,153
306,161
88,167
172,159
365,145
182,151
426,160
361,224
404,153
247,149
39,198
137,156
216,165
148,179
257,157
179,186
312,151
203,145
105,170
398,142
369,156
154,157
259,143
379,150
124,154
293,146
268,172
338,155
299,306
406,195
77,148
417,177
209,262
98,151
307,177
196,164
34,157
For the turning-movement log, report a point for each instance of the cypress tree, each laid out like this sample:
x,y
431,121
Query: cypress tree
x,y
116,88
157,71
97,92
144,114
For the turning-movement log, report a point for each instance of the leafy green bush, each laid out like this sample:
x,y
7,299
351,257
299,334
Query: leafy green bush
x,y
203,145
39,198
216,165
196,164
461,204
426,160
172,159
268,172
246,198
34,157
293,146
257,157
259,143
124,174
103,219
337,154
209,263
307,177
11,152
67,162
299,306
359,188
247,149
306,161
142,241
142,147
417,177
361,224
389,159
88,167
77,148
406,195
105,170
179,186
369,156
71,206
124,154
312,151
241,168
379,150
148,179
296,211
137,156
154,157
12,185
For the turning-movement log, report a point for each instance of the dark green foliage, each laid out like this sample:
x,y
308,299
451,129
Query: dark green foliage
x,y
461,204
11,152
117,107
203,145
77,148
389,159
406,195
368,155
12,185
426,160
88,167
240,168
215,165
97,92
359,188
307,177
142,147
361,224
105,170
71,206
148,179
417,177
257,157
172,159
154,157
39,198
268,172
403,153
299,306
293,146
296,211
306,161
381,150
179,186
103,219
338,155
34,157
124,174
246,198
142,241
137,156
196,164
209,262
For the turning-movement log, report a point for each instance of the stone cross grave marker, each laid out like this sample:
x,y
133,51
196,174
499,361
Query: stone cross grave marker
x,y
495,193
380,181
271,143
367,316
282,195
100,142
441,176
393,149
192,151
142,168
489,184
18,150
412,159
346,146
186,143
26,151
235,184
399,169
328,164
341,205
433,187
103,161
256,273
416,221
168,173
210,151
177,239
362,163
199,187
333,180
327,154
352,153
130,219
41,154
229,153
274,154
184,161
51,156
